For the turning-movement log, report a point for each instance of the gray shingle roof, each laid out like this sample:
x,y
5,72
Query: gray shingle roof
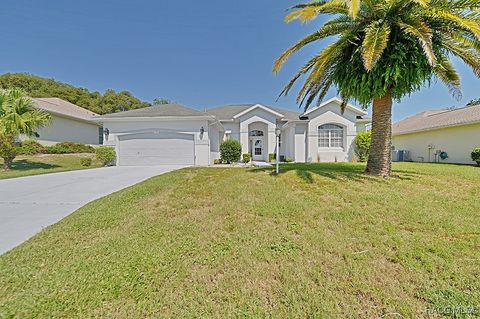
x,y
61,107
227,112
434,119
157,111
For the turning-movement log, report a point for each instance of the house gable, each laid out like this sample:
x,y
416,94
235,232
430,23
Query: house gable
x,y
261,107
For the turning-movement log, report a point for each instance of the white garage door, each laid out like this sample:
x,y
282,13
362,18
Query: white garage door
x,y
148,149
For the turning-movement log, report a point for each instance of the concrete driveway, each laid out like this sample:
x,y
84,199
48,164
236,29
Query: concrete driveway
x,y
28,204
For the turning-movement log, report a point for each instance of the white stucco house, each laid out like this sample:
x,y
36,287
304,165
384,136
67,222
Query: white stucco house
x,y
70,123
427,135
174,134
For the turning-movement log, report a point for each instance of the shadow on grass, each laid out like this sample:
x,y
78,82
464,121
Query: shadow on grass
x,y
25,165
335,171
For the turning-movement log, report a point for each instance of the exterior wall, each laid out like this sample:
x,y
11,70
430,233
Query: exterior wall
x,y
287,147
457,141
202,143
331,114
64,129
300,143
234,128
216,138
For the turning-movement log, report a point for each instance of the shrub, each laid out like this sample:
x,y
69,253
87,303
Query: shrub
x,y
106,155
476,155
246,158
362,145
288,160
230,151
30,147
8,150
70,148
271,157
217,161
86,161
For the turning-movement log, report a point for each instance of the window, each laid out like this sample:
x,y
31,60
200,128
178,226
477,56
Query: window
x,y
330,135
256,133
100,135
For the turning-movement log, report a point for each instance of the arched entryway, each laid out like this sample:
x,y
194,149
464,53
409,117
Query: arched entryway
x,y
258,141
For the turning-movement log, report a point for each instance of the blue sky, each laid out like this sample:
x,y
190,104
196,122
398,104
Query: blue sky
x,y
198,53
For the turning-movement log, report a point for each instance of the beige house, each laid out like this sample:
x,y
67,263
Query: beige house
x,y
70,123
445,136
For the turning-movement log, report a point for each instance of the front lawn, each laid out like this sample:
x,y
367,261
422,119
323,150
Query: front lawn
x,y
43,164
318,241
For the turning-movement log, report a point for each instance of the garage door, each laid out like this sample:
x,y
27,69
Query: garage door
x,y
148,149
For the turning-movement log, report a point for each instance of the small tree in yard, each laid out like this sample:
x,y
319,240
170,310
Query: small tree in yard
x,y
106,155
17,117
476,155
362,145
230,151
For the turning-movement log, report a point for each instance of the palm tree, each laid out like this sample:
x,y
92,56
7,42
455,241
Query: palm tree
x,y
390,49
17,116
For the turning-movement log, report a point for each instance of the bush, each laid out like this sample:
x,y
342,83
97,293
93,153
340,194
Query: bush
x,y
70,148
86,161
288,160
476,155
106,155
30,147
230,151
271,157
362,145
217,161
246,158
8,150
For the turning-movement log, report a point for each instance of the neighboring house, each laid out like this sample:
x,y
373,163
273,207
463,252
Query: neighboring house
x,y
175,134
426,135
70,123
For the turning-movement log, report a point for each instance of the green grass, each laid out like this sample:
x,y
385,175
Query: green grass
x,y
44,164
318,241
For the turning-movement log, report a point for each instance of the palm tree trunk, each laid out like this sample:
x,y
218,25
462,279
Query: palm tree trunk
x,y
380,157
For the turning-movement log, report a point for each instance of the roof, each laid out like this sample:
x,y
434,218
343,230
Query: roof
x,y
227,112
163,110
339,102
434,119
61,107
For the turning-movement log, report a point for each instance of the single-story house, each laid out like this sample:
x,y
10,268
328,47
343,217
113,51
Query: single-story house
x,y
175,134
446,136
70,123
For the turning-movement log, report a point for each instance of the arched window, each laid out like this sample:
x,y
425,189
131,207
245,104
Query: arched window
x,y
330,135
256,133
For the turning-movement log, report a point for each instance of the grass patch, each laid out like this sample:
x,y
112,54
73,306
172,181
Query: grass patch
x,y
318,240
43,164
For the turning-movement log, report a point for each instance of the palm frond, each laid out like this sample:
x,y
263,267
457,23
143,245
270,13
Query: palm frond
x,y
423,33
374,43
308,12
468,24
354,8
330,28
447,73
470,56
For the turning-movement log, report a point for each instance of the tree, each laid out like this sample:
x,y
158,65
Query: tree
x,y
474,102
36,86
391,49
17,116
160,101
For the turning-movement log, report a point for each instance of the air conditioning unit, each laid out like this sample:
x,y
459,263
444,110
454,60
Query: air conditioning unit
x,y
400,155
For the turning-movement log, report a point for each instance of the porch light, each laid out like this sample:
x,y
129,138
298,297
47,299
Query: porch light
x,y
106,131
277,131
202,130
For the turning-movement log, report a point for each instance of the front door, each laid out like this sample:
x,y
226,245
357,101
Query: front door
x,y
257,149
